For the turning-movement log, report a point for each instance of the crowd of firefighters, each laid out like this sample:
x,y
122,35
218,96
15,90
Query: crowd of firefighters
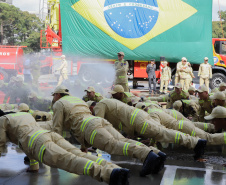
x,y
184,75
118,125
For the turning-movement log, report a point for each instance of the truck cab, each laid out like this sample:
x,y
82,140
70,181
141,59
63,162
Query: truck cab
x,y
11,61
219,68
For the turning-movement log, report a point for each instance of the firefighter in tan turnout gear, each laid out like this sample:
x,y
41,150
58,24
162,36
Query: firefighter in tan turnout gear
x,y
121,69
136,122
175,95
205,103
217,118
53,150
126,97
192,92
178,116
72,114
187,127
191,74
184,73
63,70
91,95
222,86
187,108
165,77
205,73
177,77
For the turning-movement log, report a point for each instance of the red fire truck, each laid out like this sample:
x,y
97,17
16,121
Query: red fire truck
x,y
11,61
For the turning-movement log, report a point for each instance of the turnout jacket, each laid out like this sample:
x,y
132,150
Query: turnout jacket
x,y
20,128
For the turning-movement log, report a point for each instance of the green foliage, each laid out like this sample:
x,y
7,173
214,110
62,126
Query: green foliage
x,y
216,26
20,28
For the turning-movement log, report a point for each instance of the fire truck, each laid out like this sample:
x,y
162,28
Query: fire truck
x,y
52,38
11,61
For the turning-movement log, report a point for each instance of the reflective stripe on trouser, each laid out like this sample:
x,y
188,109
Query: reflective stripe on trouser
x,y
133,117
164,82
208,127
59,153
34,136
162,134
155,150
177,115
34,165
111,141
125,86
206,81
174,114
33,162
189,128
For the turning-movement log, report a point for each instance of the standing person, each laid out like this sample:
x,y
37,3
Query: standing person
x,y
184,73
121,68
205,73
27,71
177,77
150,70
191,74
63,70
165,77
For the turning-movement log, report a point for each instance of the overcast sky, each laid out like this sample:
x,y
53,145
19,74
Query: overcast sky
x,y
33,5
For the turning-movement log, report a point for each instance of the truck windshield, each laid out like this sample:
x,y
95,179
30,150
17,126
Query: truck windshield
x,y
220,47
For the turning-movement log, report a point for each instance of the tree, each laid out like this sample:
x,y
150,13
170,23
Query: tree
x,y
20,28
216,26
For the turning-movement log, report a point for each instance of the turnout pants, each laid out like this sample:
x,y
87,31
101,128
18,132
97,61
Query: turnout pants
x,y
208,127
185,82
63,76
206,81
53,150
177,79
100,134
166,83
151,129
189,128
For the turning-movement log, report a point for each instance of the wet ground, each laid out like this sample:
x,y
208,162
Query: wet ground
x,y
180,169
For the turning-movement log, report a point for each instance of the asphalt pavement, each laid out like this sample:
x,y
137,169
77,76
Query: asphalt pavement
x,y
180,169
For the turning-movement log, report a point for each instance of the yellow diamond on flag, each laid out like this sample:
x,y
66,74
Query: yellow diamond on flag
x,y
171,13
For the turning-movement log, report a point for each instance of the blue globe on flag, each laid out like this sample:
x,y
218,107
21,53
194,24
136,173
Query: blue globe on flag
x,y
131,18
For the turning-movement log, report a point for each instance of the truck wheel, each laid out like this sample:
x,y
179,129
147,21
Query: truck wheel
x,y
135,84
216,80
3,75
109,79
85,75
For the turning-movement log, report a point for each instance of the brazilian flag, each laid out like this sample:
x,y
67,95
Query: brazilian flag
x,y
142,29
